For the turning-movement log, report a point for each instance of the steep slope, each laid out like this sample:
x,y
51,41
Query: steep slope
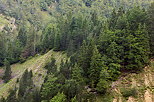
x,y
35,64
135,87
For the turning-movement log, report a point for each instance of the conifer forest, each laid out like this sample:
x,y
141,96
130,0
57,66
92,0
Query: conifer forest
x,y
76,50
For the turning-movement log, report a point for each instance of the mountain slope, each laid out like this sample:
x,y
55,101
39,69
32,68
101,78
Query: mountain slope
x,y
135,87
36,64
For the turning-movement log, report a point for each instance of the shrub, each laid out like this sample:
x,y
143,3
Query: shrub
x,y
129,92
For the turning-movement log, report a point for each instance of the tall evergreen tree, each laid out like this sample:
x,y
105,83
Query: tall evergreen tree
x,y
77,74
85,54
95,67
57,43
150,25
7,74
25,84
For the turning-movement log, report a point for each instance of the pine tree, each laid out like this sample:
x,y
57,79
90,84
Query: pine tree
x,y
65,69
113,20
22,35
51,66
57,43
7,74
103,83
150,25
84,58
76,74
22,86
50,87
25,83
12,96
95,67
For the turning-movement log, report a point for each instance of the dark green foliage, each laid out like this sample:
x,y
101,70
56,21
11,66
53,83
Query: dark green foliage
x,y
43,6
84,57
129,92
103,83
150,27
2,49
22,35
51,66
100,38
57,43
48,38
7,74
71,88
135,16
95,67
2,99
50,88
65,69
77,74
102,86
25,84
114,70
25,92
12,96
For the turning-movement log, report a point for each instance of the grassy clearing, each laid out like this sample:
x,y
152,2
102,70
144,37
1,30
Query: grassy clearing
x,y
3,21
36,64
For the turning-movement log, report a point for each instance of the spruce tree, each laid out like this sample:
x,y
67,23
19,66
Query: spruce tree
x,y
95,67
150,24
7,74
57,43
84,58
76,74
103,83
22,83
25,83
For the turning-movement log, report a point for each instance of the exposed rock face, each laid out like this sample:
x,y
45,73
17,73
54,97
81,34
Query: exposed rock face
x,y
142,81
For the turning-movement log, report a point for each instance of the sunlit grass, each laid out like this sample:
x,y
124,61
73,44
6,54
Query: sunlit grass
x,y
36,64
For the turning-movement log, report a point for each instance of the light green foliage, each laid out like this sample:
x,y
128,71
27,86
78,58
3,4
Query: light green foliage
x,y
74,99
76,74
84,58
50,88
114,70
60,97
102,86
103,83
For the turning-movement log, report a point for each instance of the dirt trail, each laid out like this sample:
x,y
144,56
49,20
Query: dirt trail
x,y
115,100
148,81
148,96
133,83
131,99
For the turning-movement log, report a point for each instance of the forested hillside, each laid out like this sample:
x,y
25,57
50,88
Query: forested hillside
x,y
99,41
